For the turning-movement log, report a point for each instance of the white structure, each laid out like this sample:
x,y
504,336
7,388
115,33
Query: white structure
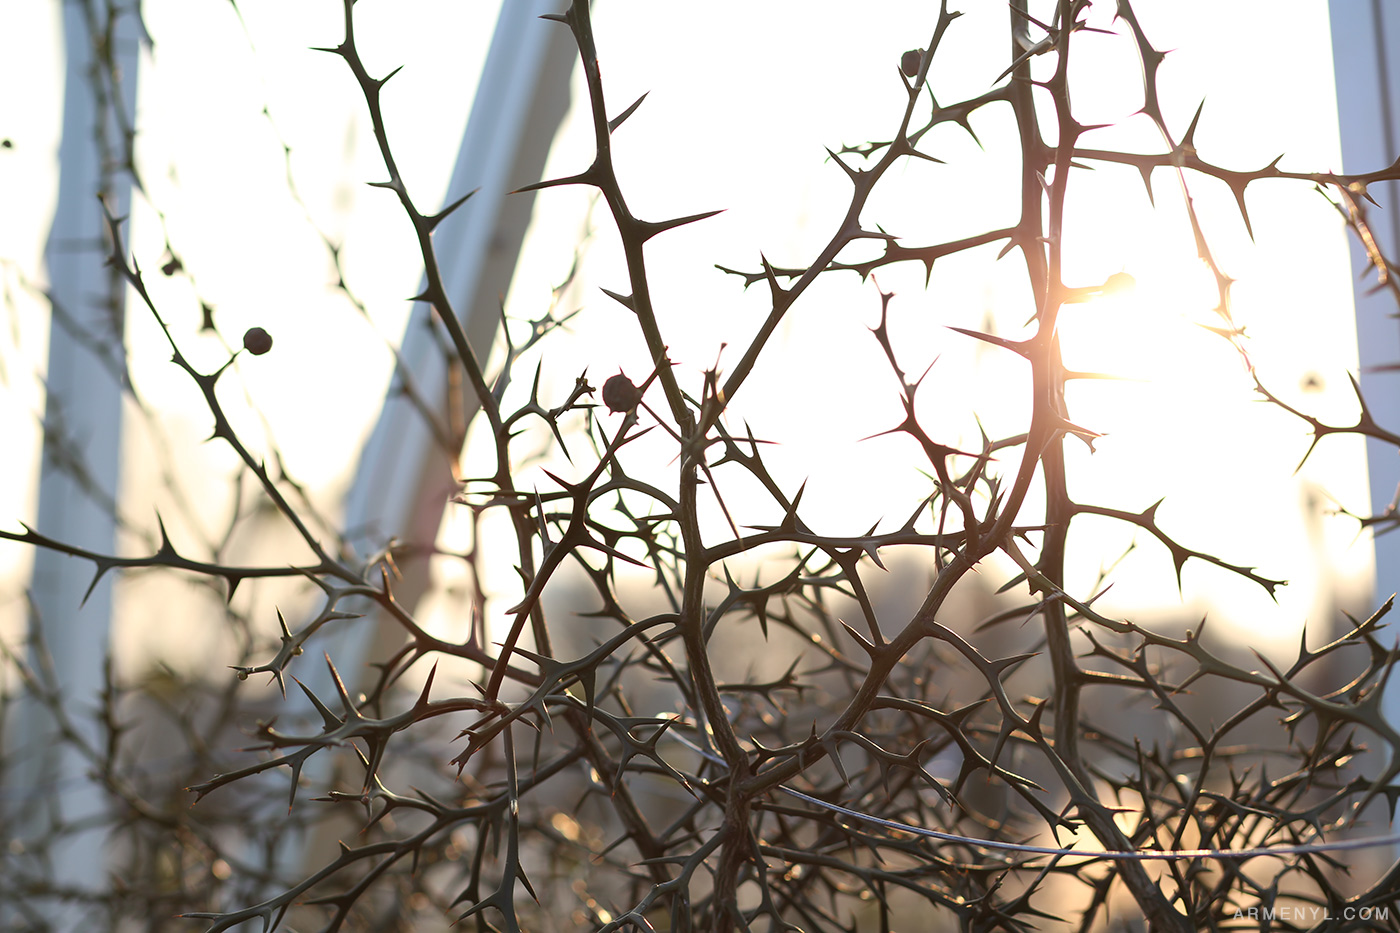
x,y
82,430
404,479
1366,56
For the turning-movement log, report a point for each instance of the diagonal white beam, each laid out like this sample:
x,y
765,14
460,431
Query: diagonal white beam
x,y
405,478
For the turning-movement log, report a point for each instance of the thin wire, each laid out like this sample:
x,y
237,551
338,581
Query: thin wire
x,y
1365,842
1116,855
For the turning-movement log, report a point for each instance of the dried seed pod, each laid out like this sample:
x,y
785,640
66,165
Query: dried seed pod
x,y
257,341
620,394
909,62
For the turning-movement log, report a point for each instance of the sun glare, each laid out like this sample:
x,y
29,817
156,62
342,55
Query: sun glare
x,y
1144,325
1180,416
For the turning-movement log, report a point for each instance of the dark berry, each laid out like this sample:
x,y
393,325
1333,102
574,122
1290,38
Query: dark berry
x,y
619,394
257,341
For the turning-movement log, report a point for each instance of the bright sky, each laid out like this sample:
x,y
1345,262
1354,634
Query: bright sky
x,y
743,98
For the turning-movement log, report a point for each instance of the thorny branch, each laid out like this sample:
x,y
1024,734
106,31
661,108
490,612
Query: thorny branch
x,y
852,785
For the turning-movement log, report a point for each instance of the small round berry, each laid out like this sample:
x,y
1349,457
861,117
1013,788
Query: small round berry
x,y
909,62
619,393
257,341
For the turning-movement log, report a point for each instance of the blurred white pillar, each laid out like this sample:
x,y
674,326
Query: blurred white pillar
x,y
81,457
1366,58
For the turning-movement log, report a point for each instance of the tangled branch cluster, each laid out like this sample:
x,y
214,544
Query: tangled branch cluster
x,y
854,789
